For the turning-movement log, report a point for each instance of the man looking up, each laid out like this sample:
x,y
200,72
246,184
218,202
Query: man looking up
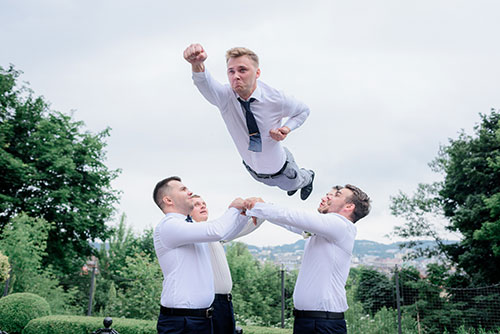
x,y
181,249
319,297
253,113
223,315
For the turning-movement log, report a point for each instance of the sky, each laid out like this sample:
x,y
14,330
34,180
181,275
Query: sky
x,y
388,82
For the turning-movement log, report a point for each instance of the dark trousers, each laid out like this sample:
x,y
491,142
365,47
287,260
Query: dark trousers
x,y
223,315
173,324
319,326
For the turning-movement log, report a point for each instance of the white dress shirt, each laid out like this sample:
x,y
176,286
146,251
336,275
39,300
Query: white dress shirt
x,y
270,107
184,257
223,283
325,266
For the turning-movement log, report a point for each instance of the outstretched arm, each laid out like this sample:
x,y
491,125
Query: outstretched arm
x,y
196,56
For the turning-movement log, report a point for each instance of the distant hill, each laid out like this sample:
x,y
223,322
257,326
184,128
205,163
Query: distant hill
x,y
361,248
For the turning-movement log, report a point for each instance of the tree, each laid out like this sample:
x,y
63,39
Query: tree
x,y
468,199
374,290
53,170
257,288
24,241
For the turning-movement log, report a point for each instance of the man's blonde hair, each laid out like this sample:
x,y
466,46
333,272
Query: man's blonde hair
x,y
239,51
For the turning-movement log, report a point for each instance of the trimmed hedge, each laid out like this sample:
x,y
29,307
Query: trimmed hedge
x,y
17,309
265,330
64,324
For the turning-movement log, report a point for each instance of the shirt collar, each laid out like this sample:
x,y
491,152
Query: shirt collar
x,y
257,93
175,215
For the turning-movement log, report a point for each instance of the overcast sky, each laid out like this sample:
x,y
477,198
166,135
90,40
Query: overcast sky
x,y
387,83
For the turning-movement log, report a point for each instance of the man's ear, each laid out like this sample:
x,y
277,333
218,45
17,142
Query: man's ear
x,y
350,207
166,200
257,73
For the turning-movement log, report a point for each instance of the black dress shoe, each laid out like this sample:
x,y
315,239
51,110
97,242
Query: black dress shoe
x,y
291,192
307,190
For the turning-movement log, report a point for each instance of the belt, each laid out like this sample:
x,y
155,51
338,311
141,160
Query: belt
x,y
318,314
266,176
187,312
224,297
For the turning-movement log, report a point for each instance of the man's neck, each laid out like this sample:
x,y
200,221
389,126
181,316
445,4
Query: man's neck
x,y
174,210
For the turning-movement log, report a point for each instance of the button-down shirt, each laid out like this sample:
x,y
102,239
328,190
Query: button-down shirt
x,y
223,283
184,258
270,107
325,265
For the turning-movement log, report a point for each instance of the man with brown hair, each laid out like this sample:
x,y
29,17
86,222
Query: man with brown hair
x,y
184,257
319,297
253,112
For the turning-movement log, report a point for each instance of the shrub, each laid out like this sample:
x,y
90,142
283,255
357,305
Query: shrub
x,y
4,267
17,309
63,324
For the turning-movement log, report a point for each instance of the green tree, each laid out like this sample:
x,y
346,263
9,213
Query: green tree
x,y
53,170
374,290
142,288
468,199
112,255
257,288
24,241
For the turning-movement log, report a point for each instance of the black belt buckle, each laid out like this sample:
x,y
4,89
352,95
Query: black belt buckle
x,y
209,312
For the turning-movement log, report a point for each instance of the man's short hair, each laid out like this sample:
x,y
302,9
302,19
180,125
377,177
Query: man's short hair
x,y
240,51
361,202
161,189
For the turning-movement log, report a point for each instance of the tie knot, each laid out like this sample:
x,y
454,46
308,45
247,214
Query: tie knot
x,y
246,103
189,219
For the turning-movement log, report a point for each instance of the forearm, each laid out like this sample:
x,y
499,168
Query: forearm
x,y
178,234
329,226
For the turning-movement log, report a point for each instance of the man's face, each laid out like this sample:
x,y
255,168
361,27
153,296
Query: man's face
x,y
335,200
242,73
180,197
200,211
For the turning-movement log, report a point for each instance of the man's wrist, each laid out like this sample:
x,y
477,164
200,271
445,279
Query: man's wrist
x,y
198,67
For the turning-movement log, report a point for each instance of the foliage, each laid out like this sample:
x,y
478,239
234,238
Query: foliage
x,y
28,274
128,271
26,261
374,290
143,286
257,288
265,330
469,199
18,309
4,267
53,170
84,325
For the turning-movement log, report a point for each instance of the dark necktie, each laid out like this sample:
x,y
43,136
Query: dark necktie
x,y
255,143
189,219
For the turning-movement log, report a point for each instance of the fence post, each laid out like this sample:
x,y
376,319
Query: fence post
x,y
282,295
93,264
398,297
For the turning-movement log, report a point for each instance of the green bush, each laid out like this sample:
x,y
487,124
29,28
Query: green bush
x,y
63,324
265,330
17,309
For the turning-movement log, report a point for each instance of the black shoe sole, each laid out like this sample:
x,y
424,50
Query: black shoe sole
x,y
307,190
